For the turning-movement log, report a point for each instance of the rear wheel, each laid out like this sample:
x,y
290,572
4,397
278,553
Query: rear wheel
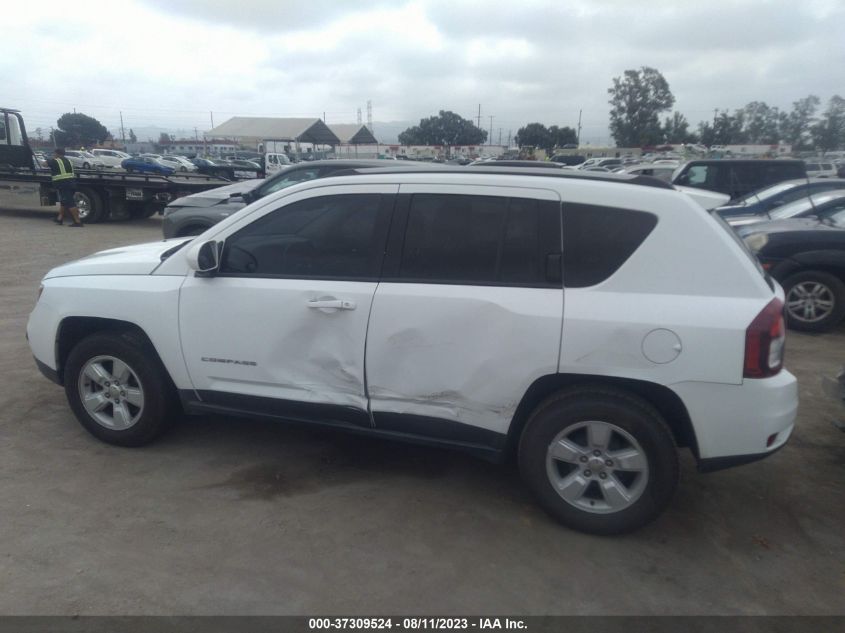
x,y
815,301
86,165
90,205
599,460
118,389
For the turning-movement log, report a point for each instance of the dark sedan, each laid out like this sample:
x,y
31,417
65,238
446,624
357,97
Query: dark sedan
x,y
147,165
807,257
764,200
192,215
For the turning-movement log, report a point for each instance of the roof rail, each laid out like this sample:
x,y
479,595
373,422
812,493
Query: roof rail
x,y
624,179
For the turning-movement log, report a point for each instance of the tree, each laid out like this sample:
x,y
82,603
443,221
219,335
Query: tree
x,y
637,99
39,134
676,130
795,126
728,128
447,128
534,135
132,137
760,123
829,132
79,130
561,136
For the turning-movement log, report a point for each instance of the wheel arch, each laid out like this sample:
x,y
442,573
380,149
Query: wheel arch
x,y
667,403
72,330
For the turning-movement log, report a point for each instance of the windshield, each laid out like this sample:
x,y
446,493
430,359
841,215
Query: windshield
x,y
769,192
803,205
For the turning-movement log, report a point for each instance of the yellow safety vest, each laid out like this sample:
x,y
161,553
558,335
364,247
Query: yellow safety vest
x,y
65,170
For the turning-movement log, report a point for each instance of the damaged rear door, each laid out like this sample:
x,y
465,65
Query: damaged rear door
x,y
468,313
280,329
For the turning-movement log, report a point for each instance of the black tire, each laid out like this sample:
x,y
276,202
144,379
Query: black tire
x,y
86,166
160,403
830,287
570,409
90,205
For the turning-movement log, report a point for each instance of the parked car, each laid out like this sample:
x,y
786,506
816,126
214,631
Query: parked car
x,y
601,162
194,214
762,201
178,163
662,171
807,257
820,205
217,169
821,169
451,283
110,157
83,159
147,165
737,178
515,163
565,159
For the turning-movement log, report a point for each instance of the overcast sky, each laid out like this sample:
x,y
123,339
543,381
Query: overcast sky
x,y
171,62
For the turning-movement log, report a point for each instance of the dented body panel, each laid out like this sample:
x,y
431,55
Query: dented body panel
x,y
465,354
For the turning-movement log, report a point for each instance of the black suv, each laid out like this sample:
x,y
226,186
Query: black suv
x,y
192,215
737,177
807,257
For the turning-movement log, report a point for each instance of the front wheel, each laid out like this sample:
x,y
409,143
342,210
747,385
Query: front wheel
x,y
815,301
86,165
118,389
599,460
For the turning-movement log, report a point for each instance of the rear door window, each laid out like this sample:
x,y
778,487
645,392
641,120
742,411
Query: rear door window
x,y
486,240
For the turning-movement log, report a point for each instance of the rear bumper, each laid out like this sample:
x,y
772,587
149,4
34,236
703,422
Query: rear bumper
x,y
738,424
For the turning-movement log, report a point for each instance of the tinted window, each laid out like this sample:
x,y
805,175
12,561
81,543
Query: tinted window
x,y
598,240
331,236
288,179
480,239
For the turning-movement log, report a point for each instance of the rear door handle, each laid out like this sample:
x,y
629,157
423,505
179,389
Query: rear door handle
x,y
332,304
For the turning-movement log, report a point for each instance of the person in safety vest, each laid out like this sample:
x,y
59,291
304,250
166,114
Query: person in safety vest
x,y
64,181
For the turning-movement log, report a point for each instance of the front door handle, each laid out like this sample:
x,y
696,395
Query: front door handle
x,y
332,304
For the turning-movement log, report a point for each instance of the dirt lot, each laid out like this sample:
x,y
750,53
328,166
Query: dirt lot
x,y
228,516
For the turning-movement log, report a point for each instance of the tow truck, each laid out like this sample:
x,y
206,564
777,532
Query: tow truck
x,y
100,195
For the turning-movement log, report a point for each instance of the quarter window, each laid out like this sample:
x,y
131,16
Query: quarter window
x,y
598,240
481,240
338,236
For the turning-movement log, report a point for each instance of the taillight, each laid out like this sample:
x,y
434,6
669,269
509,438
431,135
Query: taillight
x,y
764,342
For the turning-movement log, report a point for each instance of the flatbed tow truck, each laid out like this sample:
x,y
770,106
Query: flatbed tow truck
x,y
100,194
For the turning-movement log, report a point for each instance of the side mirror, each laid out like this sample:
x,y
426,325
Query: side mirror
x,y
204,258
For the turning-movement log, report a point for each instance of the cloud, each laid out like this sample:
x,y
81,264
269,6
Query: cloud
x,y
172,63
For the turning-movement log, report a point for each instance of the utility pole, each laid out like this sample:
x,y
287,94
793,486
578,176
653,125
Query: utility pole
x,y
122,133
578,136
478,125
509,138
490,138
53,136
500,136
370,116
360,119
324,116
211,116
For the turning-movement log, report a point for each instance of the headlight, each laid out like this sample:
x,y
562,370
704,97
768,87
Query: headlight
x,y
756,241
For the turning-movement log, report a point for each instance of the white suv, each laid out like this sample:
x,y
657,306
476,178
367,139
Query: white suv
x,y
590,324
